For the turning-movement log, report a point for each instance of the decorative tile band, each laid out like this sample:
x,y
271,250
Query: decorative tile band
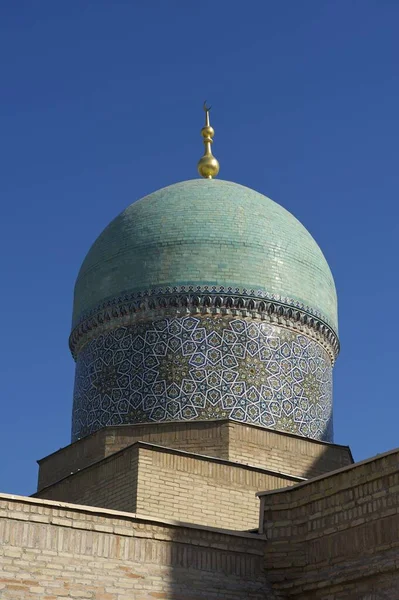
x,y
204,368
195,300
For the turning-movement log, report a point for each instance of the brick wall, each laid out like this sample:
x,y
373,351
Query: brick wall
x,y
209,492
53,551
209,438
337,537
110,483
291,454
221,439
67,460
172,484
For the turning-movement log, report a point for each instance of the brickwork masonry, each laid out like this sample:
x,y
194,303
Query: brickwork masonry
x,y
336,537
58,551
229,440
171,484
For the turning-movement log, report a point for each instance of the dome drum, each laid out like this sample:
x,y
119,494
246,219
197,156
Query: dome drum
x,y
204,368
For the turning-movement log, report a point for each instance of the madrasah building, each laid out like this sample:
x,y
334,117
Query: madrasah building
x,y
202,464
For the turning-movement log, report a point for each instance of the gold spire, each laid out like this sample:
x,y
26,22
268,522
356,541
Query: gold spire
x,y
208,166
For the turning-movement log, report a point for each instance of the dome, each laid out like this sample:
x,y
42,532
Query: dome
x,y
205,301
206,234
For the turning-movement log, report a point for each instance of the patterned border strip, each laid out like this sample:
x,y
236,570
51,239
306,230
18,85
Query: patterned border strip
x,y
143,307
200,289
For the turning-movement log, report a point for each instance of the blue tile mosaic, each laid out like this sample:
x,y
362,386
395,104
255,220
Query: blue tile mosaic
x,y
204,368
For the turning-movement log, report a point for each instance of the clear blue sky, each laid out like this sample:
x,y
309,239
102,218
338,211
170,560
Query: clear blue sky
x,y
101,103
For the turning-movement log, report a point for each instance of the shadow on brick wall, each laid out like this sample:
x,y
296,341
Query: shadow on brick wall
x,y
221,566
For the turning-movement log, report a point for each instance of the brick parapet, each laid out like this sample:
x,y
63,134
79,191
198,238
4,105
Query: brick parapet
x,y
205,490
53,551
284,452
173,484
248,444
335,531
203,437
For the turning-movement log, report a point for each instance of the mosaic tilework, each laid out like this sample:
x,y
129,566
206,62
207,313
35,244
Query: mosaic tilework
x,y
202,368
193,290
196,299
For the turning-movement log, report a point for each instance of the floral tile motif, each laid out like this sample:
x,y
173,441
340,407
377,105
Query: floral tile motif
x,y
204,368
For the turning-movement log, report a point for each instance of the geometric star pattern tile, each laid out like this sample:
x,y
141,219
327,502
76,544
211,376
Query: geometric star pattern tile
x,y
204,368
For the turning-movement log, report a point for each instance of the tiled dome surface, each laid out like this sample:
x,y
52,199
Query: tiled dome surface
x,y
206,233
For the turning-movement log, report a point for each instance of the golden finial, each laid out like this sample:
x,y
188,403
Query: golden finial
x,y
208,166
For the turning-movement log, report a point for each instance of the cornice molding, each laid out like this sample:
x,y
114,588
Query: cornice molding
x,y
205,300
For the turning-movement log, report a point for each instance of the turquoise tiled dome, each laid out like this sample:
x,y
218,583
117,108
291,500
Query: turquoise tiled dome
x,y
206,233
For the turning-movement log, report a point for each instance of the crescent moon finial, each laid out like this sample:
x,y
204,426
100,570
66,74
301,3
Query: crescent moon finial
x,y
208,166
